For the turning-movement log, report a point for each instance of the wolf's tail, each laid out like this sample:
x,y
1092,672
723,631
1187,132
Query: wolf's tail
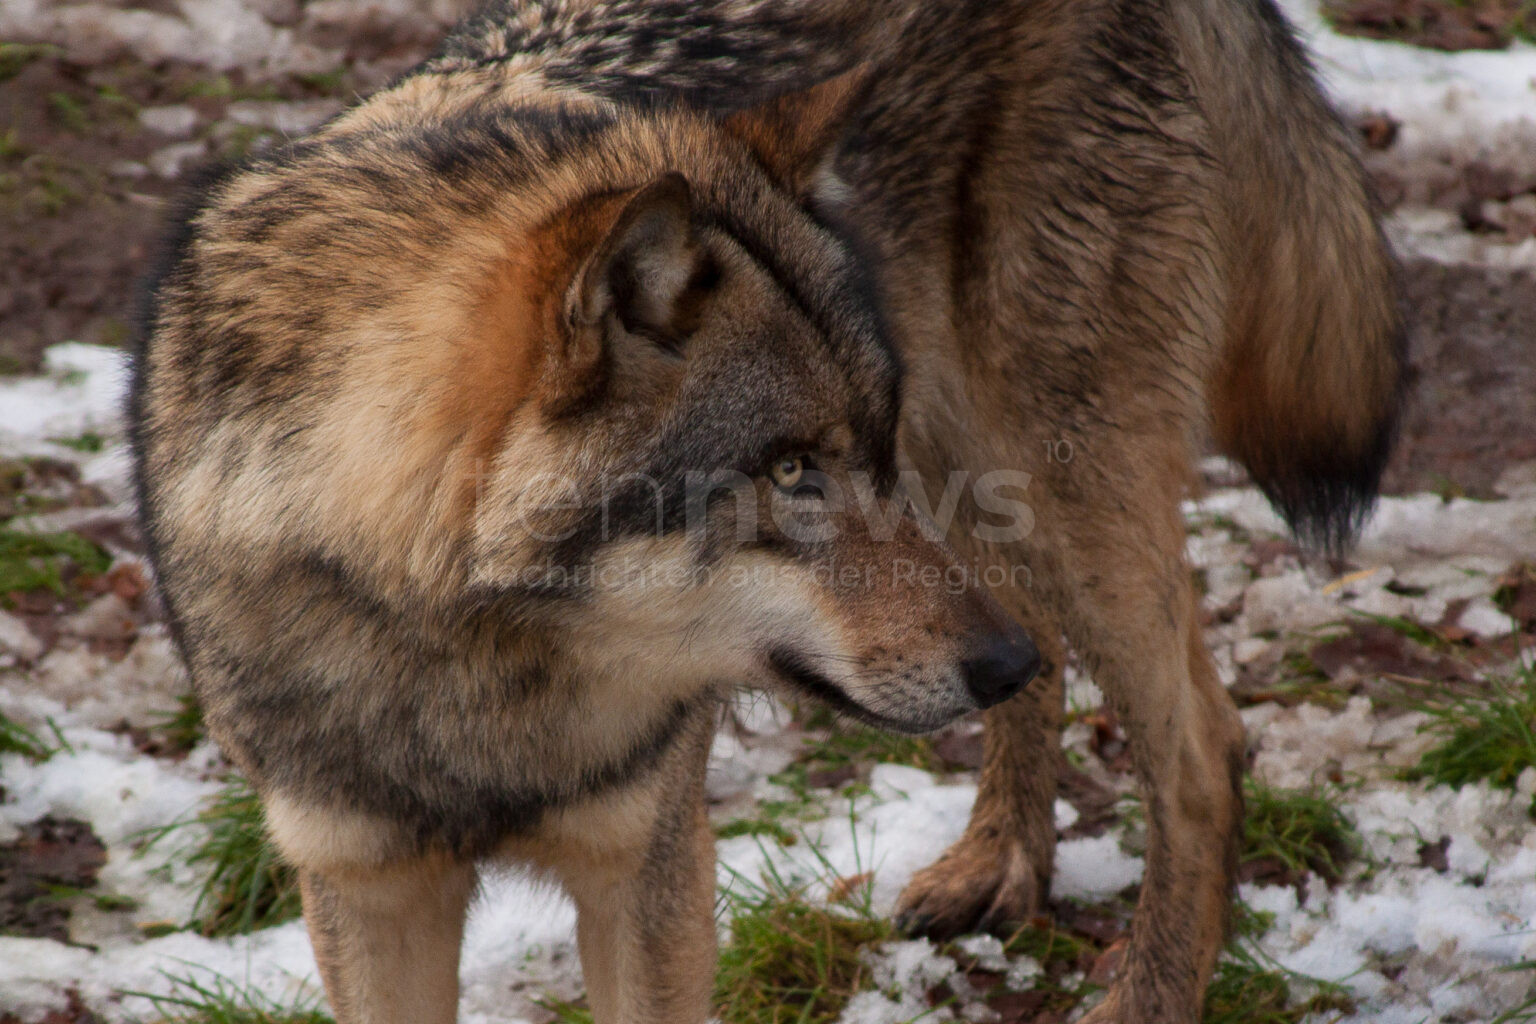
x,y
1311,372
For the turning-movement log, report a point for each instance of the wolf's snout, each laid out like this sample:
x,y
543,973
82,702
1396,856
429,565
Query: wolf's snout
x,y
1001,669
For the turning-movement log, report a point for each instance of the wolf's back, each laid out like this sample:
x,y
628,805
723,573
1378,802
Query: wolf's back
x,y
1310,373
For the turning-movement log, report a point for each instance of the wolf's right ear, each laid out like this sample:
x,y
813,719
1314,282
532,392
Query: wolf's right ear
x,y
795,136
649,270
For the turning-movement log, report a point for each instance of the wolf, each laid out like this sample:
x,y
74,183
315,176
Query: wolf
x,y
488,434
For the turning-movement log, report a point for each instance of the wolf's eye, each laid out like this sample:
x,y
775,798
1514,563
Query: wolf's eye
x,y
786,473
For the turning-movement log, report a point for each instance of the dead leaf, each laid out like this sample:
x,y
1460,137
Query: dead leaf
x,y
1517,595
831,778
1017,1007
74,1012
1378,131
844,887
1372,649
51,852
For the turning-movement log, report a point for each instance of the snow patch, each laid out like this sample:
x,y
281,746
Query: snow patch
x,y
82,391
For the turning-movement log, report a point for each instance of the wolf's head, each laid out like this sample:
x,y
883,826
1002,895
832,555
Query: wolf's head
x,y
610,368
703,477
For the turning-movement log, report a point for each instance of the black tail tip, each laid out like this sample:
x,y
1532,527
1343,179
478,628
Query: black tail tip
x,y
1325,484
1327,497
1326,516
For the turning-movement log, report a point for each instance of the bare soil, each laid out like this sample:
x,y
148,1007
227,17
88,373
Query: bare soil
x,y
1460,25
73,238
1472,408
81,207
51,860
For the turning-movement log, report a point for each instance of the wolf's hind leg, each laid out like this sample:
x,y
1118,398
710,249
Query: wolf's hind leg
x,y
387,939
999,871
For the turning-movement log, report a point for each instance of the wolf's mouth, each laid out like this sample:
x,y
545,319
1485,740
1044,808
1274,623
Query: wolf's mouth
x,y
794,669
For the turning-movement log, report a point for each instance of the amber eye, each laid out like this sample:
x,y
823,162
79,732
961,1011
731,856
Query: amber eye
x,y
786,473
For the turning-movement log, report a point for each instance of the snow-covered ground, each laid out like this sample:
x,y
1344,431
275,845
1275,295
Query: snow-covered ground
x,y
1452,110
1413,938
1466,101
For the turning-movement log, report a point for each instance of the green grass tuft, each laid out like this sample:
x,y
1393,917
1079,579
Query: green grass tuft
x,y
105,901
43,561
1301,681
1295,679
16,738
248,886
11,146
566,1012
89,442
14,57
754,827
1482,734
1051,945
1302,829
1246,990
241,140
857,745
849,743
792,959
224,1001
183,728
835,763
116,102
1247,923
327,83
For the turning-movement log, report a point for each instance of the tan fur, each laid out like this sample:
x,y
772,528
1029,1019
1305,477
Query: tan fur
x,y
321,838
387,940
647,939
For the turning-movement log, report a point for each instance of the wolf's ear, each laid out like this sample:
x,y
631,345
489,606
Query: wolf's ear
x,y
796,134
649,268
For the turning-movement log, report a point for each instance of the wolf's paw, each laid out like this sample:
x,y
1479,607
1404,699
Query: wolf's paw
x,y
1107,1012
1125,1003
982,883
1111,1010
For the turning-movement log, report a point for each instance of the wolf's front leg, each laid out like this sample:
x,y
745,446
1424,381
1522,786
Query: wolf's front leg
x,y
1187,742
647,935
999,872
1136,626
387,939
640,865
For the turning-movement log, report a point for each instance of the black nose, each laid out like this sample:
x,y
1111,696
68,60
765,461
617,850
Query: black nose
x,y
1001,669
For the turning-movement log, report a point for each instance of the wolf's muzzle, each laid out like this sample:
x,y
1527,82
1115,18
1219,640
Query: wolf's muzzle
x,y
1001,668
